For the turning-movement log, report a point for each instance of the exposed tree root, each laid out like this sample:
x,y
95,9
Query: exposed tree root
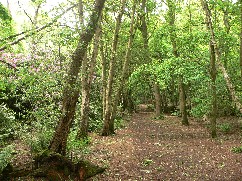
x,y
53,167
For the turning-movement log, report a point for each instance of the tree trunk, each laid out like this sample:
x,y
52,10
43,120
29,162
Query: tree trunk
x,y
241,39
108,127
213,73
104,81
218,57
125,70
87,76
173,37
71,90
157,95
182,97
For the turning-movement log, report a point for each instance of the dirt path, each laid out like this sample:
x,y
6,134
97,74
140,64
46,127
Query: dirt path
x,y
164,150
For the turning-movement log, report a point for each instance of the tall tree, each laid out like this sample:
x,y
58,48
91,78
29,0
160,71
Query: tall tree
x,y
240,38
87,71
173,37
218,57
144,30
108,127
87,76
126,63
71,89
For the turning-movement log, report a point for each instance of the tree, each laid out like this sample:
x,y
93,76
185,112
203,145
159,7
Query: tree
x,y
87,76
108,127
173,37
218,57
71,90
241,38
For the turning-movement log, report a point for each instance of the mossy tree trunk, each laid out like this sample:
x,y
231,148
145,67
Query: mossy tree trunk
x,y
108,127
241,38
71,89
126,63
87,76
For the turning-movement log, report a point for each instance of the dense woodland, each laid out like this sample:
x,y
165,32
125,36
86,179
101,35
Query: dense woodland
x,y
83,68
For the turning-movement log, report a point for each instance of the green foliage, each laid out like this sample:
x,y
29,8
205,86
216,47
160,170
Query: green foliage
x,y
8,123
147,162
38,141
6,24
162,116
176,113
119,123
237,149
225,127
75,147
6,155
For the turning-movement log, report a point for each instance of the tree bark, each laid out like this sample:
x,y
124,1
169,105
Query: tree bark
x,y
213,73
108,127
182,97
241,39
87,76
218,58
125,70
173,37
71,89
104,77
157,95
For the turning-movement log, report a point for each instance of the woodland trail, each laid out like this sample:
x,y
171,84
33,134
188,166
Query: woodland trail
x,y
150,149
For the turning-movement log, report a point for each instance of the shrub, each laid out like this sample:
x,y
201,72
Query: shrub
x,y
7,123
119,123
76,147
6,155
39,141
225,127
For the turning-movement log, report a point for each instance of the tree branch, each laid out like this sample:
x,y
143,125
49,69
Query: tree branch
x,y
33,31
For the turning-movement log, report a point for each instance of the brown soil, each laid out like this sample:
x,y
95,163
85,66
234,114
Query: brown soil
x,y
150,149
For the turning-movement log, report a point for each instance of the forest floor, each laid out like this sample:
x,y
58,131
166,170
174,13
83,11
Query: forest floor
x,y
149,149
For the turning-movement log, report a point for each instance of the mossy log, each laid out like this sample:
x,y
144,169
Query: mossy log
x,y
55,167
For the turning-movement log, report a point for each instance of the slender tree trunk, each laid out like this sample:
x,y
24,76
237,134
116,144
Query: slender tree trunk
x,y
173,37
213,73
71,89
108,127
125,70
87,76
144,30
8,7
157,95
104,77
241,39
182,97
218,57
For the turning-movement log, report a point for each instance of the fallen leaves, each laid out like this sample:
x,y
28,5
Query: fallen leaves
x,y
165,150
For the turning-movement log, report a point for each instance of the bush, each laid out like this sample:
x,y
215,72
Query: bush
x,y
6,155
119,123
225,127
7,123
76,147
39,141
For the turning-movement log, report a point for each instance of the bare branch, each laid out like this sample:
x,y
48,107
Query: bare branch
x,y
25,13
